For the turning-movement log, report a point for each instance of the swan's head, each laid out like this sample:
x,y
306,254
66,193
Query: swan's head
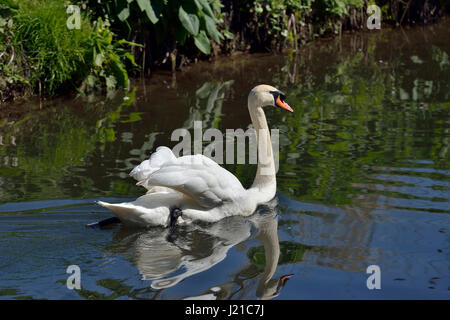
x,y
265,95
271,288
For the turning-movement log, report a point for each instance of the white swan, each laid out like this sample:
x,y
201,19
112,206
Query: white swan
x,y
197,185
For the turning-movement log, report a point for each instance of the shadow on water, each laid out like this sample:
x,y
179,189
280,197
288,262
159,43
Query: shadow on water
x,y
364,178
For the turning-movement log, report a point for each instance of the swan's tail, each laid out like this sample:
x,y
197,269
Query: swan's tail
x,y
126,212
134,214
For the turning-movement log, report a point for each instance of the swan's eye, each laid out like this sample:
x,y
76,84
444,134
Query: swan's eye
x,y
277,94
279,99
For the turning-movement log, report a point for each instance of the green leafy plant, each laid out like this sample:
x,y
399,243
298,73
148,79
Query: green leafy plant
x,y
340,7
54,54
10,67
273,19
107,59
39,53
180,20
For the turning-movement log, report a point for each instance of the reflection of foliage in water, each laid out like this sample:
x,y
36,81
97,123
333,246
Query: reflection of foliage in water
x,y
208,104
365,112
290,252
118,290
50,146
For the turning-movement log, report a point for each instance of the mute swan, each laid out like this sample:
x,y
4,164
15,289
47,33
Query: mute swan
x,y
195,187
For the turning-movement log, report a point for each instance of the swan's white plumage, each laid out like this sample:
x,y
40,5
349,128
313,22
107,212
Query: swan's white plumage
x,y
197,176
147,167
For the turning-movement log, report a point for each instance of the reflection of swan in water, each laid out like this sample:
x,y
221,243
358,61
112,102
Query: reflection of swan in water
x,y
266,286
198,248
195,249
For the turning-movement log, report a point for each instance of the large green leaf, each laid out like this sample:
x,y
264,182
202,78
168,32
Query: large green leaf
x,y
189,21
124,14
119,72
98,59
206,7
228,34
212,30
111,82
146,6
130,57
202,42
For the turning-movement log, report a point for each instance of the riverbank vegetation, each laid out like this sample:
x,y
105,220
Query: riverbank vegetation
x,y
41,54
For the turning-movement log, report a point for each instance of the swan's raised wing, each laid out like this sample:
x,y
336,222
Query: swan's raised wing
x,y
158,158
196,176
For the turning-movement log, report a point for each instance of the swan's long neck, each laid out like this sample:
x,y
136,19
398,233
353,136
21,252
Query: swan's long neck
x,y
264,185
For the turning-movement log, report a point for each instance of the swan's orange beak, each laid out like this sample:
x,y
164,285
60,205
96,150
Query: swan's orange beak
x,y
285,278
282,282
283,104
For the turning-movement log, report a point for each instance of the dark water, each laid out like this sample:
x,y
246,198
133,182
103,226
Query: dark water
x,y
364,179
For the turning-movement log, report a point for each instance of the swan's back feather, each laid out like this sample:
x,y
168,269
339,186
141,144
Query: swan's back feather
x,y
157,159
196,176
